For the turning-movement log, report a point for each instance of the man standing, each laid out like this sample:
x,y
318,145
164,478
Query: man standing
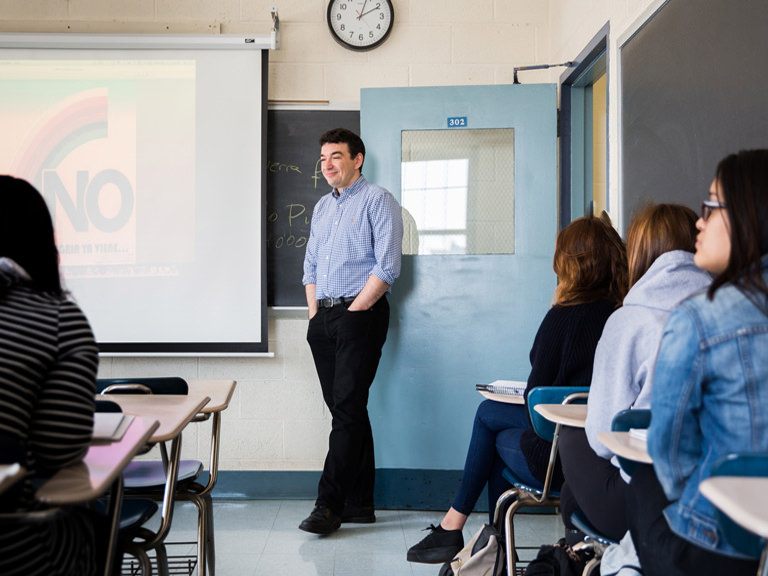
x,y
353,257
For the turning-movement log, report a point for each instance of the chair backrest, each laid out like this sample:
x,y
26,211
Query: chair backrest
x,y
627,419
107,406
740,464
544,428
622,422
155,385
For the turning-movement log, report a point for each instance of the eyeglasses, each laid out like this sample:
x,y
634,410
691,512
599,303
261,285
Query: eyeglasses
x,y
707,206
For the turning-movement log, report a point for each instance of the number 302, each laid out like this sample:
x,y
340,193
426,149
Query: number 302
x,y
457,122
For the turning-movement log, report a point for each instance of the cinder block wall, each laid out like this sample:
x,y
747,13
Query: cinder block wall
x,y
277,420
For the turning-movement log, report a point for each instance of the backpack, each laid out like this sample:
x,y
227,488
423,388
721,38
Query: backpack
x,y
482,556
558,560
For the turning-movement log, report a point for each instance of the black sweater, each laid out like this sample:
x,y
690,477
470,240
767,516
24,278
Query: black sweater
x,y
562,355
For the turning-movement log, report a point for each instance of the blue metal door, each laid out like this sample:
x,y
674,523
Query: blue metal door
x,y
458,320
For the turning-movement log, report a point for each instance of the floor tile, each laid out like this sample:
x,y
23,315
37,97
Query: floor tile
x,y
261,538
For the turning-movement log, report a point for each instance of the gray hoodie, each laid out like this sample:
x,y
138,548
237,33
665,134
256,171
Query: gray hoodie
x,y
626,353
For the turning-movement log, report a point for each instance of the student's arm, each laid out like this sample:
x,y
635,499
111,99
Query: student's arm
x,y
62,421
617,378
674,437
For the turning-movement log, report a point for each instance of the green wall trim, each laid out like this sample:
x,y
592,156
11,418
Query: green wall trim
x,y
396,488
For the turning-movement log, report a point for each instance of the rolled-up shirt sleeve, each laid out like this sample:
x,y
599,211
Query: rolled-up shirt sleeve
x,y
387,226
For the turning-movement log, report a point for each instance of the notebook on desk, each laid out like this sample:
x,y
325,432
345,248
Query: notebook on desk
x,y
510,391
110,426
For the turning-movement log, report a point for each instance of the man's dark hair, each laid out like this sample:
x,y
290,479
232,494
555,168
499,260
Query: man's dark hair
x,y
344,136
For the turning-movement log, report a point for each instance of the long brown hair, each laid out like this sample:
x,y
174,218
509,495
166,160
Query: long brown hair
x,y
590,263
656,229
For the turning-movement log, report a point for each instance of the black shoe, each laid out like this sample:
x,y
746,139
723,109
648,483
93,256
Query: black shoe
x,y
439,546
322,520
358,514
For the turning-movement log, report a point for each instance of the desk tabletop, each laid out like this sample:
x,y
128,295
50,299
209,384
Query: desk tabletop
x,y
627,446
90,478
173,412
566,414
219,391
741,498
506,398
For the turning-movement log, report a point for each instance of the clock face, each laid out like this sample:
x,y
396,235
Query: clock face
x,y
360,24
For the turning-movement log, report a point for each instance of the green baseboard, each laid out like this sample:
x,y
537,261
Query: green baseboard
x,y
396,488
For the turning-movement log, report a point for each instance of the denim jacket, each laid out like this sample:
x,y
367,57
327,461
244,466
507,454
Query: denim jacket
x,y
710,398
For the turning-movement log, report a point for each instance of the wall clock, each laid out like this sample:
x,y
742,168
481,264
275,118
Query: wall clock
x,y
360,24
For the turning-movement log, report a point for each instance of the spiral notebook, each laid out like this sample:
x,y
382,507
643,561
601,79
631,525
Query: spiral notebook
x,y
510,391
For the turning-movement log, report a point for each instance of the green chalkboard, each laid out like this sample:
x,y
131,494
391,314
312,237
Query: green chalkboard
x,y
294,185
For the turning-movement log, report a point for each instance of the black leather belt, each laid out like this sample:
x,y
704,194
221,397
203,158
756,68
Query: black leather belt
x,y
331,302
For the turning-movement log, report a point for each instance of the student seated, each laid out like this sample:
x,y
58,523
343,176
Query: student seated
x,y
660,245
48,363
709,396
591,267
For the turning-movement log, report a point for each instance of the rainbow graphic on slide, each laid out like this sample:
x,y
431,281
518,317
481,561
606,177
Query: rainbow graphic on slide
x,y
71,123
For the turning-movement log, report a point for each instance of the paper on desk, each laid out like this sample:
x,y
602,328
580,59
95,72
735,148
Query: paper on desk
x,y
110,425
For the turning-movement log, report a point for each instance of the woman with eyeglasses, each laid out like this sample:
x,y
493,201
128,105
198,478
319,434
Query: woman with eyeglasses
x,y
710,394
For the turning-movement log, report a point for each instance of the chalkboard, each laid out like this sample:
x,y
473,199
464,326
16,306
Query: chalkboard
x,y
294,185
692,91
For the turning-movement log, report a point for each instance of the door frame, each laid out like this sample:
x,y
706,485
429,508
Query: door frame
x,y
575,124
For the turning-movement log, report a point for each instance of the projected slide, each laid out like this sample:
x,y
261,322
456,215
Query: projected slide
x,y
100,139
148,152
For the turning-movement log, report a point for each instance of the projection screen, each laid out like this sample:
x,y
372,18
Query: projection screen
x,y
149,152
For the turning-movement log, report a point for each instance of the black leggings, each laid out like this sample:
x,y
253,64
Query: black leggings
x,y
661,551
592,485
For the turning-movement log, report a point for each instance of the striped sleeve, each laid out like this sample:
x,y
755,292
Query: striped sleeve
x,y
62,421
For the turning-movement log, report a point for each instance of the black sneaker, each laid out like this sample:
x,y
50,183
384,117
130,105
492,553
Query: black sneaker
x,y
438,546
322,520
358,514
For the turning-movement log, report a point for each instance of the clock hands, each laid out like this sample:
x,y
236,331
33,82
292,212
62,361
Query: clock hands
x,y
378,6
362,10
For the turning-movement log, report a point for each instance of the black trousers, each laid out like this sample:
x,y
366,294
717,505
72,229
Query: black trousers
x,y
592,484
346,347
661,551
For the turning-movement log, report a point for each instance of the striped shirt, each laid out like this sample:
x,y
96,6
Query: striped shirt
x,y
48,365
353,236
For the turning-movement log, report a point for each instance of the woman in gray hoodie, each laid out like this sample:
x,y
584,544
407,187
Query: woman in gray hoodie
x,y
660,246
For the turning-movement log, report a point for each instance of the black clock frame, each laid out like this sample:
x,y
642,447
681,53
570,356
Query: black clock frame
x,y
348,46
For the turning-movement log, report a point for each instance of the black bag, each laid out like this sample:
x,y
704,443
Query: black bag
x,y
558,560
482,556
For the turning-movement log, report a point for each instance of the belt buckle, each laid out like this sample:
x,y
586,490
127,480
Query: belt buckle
x,y
327,302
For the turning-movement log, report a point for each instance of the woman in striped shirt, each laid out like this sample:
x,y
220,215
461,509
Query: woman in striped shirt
x,y
48,364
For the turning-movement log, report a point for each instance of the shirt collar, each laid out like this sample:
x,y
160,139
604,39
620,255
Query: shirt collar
x,y
349,190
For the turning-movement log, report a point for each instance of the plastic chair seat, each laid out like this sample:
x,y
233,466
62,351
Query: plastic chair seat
x,y
510,477
581,522
150,474
133,513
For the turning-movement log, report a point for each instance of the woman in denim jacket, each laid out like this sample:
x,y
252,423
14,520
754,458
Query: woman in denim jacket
x,y
710,396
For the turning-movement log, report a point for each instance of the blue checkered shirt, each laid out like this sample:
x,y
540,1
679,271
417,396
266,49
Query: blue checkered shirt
x,y
353,236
